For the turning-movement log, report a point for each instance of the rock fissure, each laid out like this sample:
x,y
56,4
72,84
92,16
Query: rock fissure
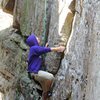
x,y
74,24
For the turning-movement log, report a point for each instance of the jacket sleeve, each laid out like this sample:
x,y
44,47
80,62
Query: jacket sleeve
x,y
39,50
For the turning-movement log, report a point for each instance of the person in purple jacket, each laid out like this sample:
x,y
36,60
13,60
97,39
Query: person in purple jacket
x,y
35,63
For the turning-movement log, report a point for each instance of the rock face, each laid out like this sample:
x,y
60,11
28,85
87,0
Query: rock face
x,y
14,84
59,31
78,77
76,71
29,15
9,68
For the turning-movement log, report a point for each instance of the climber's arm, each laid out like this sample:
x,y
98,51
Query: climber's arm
x,y
39,50
58,49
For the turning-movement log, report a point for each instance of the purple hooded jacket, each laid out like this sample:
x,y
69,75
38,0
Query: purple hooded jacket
x,y
34,57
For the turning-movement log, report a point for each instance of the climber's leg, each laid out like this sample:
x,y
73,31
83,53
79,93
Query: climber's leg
x,y
46,80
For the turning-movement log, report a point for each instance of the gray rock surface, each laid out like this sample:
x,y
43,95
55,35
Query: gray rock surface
x,y
14,81
29,16
78,77
59,31
76,71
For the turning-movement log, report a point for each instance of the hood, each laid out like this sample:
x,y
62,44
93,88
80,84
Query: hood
x,y
31,40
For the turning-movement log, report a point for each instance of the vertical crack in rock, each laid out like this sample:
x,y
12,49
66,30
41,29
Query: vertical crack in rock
x,y
59,32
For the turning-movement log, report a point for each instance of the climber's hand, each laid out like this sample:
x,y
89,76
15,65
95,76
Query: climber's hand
x,y
60,49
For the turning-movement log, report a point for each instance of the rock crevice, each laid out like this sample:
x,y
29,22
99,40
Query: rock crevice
x,y
74,24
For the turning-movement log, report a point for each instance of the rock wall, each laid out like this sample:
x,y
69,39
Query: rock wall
x,y
77,74
59,31
11,64
29,17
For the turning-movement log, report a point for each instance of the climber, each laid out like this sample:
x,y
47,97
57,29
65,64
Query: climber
x,y
35,62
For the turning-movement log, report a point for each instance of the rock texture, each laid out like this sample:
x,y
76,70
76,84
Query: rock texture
x,y
59,31
78,77
29,15
76,71
14,84
9,68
